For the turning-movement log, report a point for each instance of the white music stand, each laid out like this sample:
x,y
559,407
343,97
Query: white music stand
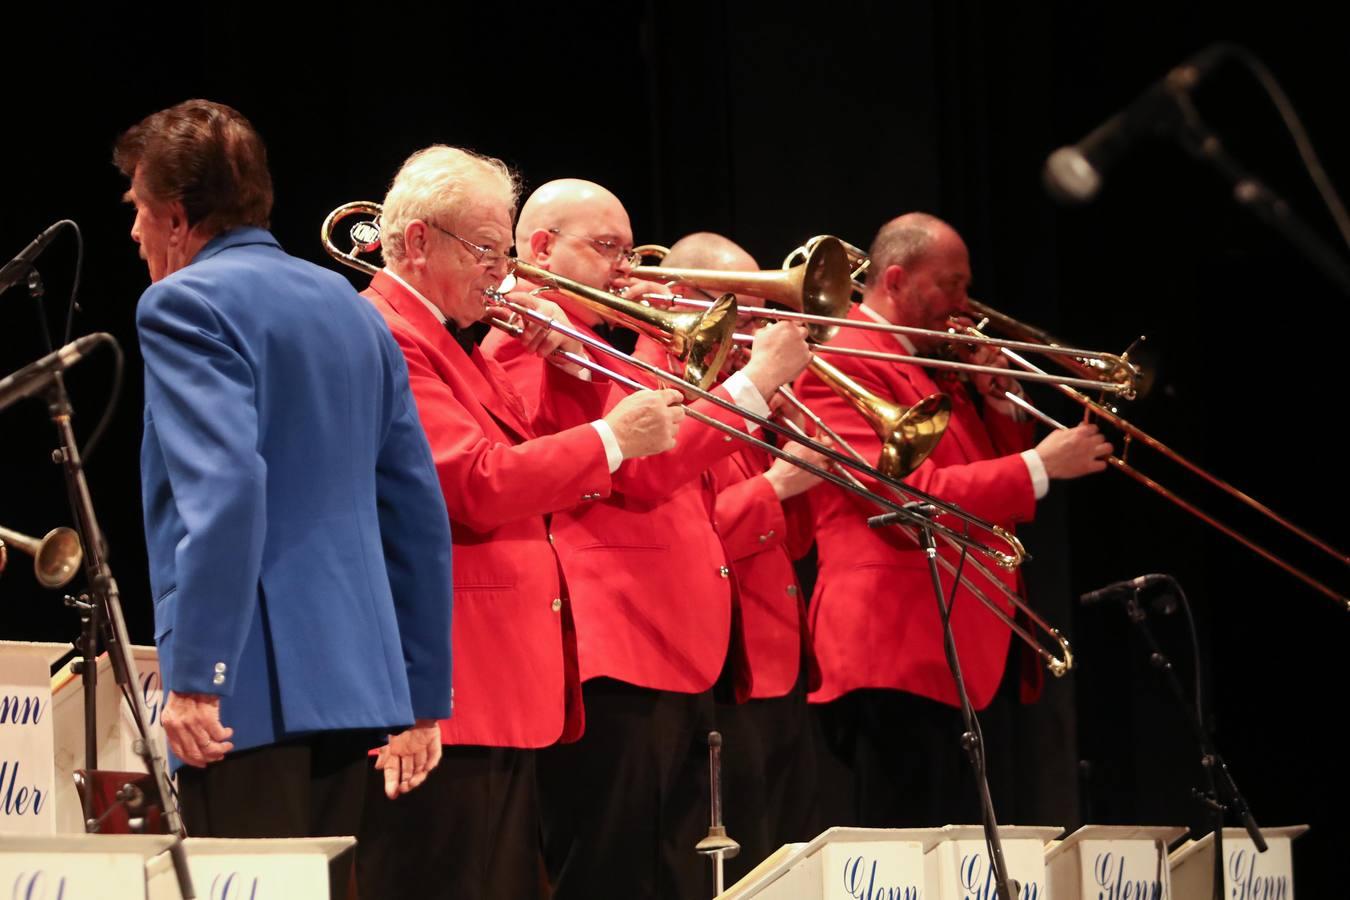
x,y
1111,861
27,777
110,867
1246,873
824,868
959,867
294,868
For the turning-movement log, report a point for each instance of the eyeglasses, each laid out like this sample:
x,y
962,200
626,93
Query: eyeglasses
x,y
607,249
484,256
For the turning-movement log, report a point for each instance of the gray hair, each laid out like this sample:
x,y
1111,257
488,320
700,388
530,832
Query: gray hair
x,y
434,184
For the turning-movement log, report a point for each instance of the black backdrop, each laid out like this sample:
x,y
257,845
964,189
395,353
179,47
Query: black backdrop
x,y
772,126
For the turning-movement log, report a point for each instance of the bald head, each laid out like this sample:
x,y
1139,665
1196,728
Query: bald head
x,y
706,250
579,230
566,204
905,239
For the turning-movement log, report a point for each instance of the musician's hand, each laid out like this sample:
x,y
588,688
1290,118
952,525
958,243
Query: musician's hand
x,y
638,290
646,422
992,386
540,339
193,729
409,757
778,355
788,480
1074,452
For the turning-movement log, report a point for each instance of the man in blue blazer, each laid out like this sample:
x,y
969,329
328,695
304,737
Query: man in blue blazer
x,y
299,544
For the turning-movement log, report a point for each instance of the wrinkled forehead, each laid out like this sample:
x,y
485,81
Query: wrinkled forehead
x,y
485,217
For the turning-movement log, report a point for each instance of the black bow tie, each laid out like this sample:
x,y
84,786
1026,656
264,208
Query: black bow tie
x,y
468,336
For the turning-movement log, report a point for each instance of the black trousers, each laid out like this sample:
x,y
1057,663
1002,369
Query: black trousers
x,y
624,806
894,760
769,784
312,787
469,832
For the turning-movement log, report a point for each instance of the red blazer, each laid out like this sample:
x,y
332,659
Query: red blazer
x,y
762,537
874,620
515,679
649,581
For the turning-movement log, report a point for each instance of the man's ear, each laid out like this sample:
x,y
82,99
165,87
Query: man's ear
x,y
894,279
179,229
416,243
541,246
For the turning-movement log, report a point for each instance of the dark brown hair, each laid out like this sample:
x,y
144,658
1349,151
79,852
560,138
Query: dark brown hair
x,y
206,155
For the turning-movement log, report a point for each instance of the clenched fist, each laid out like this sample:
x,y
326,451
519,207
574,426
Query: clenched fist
x,y
646,422
778,355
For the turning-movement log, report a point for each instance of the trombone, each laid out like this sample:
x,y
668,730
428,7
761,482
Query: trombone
x,y
1105,371
1102,371
822,298
56,556
818,292
701,340
1058,666
861,399
365,237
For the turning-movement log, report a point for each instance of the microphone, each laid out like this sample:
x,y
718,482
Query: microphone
x,y
1120,588
918,507
1074,174
16,269
37,375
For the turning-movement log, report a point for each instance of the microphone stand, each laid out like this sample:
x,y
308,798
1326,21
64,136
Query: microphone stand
x,y
1201,142
1221,793
103,589
971,741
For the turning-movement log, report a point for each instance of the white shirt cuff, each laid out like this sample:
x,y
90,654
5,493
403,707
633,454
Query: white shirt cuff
x,y
613,455
1040,482
745,395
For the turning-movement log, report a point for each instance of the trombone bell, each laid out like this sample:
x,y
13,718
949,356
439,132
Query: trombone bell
x,y
819,287
908,434
915,433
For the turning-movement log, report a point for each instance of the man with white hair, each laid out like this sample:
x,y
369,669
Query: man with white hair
x,y
624,806
472,830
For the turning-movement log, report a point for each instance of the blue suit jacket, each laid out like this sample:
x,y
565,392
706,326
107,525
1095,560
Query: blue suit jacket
x,y
299,543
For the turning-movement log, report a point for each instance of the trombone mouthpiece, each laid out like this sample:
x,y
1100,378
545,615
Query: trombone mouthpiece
x,y
714,739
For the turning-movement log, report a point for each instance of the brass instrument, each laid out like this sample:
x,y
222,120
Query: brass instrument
x,y
1102,368
820,287
56,557
908,434
818,294
1058,666
655,251
701,340
812,290
1100,372
1010,559
366,239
